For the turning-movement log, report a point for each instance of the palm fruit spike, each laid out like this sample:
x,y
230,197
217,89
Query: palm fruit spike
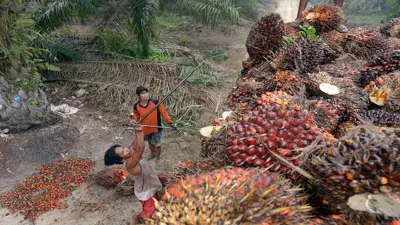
x,y
324,17
304,55
364,160
365,44
272,127
231,196
265,37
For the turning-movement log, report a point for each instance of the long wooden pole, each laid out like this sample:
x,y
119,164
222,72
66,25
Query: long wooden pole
x,y
160,102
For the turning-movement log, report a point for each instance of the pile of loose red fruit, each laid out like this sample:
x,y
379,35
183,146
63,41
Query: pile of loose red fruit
x,y
48,189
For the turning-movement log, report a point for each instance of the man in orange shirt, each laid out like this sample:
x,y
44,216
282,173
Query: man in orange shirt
x,y
153,135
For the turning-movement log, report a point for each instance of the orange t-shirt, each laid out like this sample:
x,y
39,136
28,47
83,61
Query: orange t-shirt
x,y
154,119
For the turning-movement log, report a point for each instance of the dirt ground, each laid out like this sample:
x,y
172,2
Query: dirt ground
x,y
88,133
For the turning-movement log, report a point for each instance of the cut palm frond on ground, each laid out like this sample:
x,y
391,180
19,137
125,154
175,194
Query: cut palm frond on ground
x,y
112,84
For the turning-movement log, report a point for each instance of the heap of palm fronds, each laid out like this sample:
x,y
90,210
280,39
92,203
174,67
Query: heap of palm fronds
x,y
112,84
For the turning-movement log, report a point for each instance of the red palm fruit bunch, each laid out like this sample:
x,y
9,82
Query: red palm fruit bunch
x,y
272,128
364,160
384,63
365,44
47,190
326,114
240,98
110,177
324,17
304,55
265,37
392,29
232,196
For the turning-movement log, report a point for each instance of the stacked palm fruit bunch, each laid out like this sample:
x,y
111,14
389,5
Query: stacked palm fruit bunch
x,y
325,119
232,196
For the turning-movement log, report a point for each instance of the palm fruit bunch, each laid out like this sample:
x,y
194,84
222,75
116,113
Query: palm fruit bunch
x,y
333,39
110,177
278,62
292,32
364,160
125,188
381,118
394,43
247,65
329,220
240,98
392,29
272,130
304,55
231,196
213,146
353,97
329,55
327,115
385,92
393,102
384,63
343,128
286,81
195,167
265,37
324,17
365,44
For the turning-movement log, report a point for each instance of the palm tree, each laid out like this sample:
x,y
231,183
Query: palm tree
x,y
60,12
138,13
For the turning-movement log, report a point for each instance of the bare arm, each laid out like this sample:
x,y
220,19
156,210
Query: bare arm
x,y
132,163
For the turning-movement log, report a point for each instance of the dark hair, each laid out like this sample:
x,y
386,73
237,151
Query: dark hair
x,y
140,89
111,158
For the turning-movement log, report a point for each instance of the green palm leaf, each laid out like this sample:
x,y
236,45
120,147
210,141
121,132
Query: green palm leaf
x,y
143,12
208,12
61,12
